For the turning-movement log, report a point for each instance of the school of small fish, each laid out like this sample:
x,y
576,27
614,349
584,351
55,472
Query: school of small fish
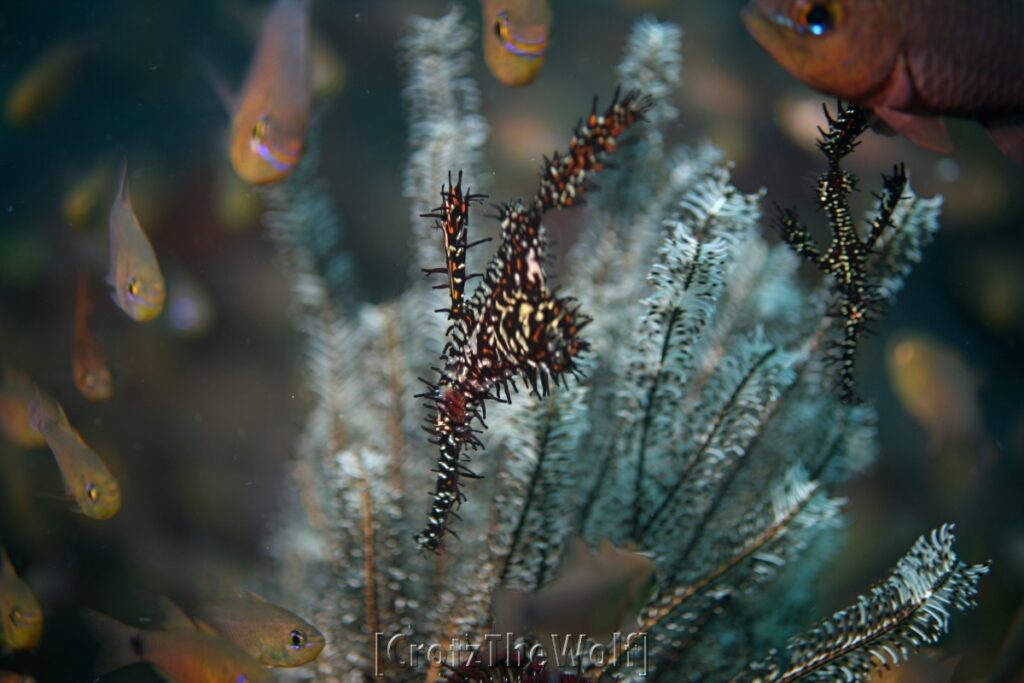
x,y
230,639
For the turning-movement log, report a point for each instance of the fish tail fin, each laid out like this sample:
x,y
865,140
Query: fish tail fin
x,y
1008,134
509,607
120,644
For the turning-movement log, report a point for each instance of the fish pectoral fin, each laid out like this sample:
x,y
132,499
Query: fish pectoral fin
x,y
1008,134
927,131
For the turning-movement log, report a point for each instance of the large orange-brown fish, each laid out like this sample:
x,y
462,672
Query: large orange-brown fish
x,y
911,62
179,655
268,128
516,38
88,364
134,271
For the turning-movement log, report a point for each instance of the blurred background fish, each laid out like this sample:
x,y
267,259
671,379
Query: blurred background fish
x,y
88,363
909,62
593,594
21,627
16,395
516,37
41,86
11,677
271,115
937,387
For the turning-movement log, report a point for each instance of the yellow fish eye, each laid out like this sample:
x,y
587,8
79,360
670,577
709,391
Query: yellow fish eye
x,y
298,639
14,616
91,492
819,18
134,288
262,127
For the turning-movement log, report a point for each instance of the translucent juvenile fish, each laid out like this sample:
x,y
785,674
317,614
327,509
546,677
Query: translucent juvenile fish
x,y
516,38
134,271
43,82
594,595
268,633
910,62
179,655
269,125
21,617
16,395
937,387
88,364
85,476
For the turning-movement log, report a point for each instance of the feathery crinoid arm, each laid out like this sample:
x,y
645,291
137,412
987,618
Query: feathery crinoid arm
x,y
908,610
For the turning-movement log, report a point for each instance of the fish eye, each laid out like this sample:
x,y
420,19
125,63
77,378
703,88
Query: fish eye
x,y
134,288
91,492
261,128
14,616
818,18
297,639
501,24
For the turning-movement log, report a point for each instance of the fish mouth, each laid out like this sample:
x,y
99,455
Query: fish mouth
x,y
24,620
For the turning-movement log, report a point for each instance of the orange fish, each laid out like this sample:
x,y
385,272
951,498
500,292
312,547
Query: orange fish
x,y
88,364
268,129
516,38
94,488
268,633
11,677
16,395
134,272
910,62
179,654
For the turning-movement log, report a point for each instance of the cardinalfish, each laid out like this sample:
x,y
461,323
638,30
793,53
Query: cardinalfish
x,y
85,476
271,115
134,272
269,634
20,613
595,595
937,387
909,62
11,677
16,395
44,82
88,364
180,655
516,38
